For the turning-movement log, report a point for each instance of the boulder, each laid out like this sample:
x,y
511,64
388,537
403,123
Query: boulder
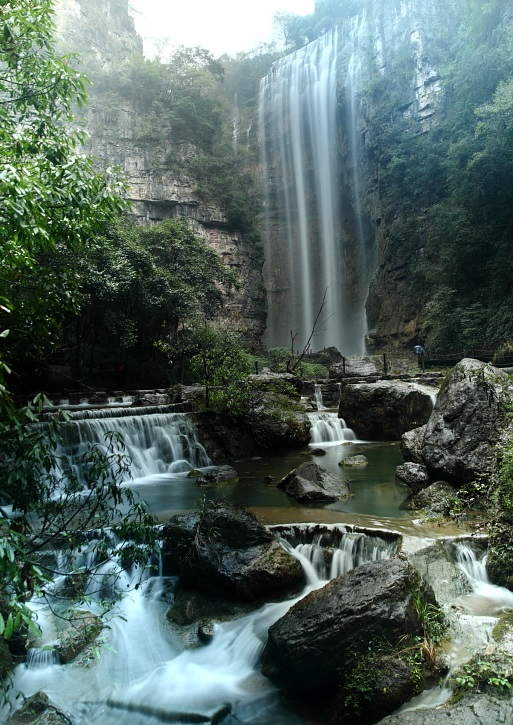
x,y
78,632
225,551
38,710
354,461
413,475
472,709
356,367
310,483
438,499
411,444
325,633
218,476
382,684
384,410
462,432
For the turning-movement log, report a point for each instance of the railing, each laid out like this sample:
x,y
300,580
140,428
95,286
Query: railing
x,y
434,359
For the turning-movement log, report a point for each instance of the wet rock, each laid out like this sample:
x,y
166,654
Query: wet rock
x,y
317,452
413,475
471,710
438,499
310,483
385,683
79,631
356,367
224,550
323,635
462,432
219,476
411,444
384,410
354,461
38,710
206,632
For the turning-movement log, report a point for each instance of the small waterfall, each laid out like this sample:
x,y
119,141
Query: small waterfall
x,y
156,442
486,595
328,428
318,397
328,553
39,657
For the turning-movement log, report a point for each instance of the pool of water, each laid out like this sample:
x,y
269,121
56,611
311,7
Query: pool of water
x,y
375,495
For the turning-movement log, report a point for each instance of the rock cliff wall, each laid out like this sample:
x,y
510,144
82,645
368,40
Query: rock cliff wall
x,y
160,184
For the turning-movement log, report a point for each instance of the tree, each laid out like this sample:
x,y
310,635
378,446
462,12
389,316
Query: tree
x,y
51,198
139,285
52,202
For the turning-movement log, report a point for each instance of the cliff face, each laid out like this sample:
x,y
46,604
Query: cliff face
x,y
161,183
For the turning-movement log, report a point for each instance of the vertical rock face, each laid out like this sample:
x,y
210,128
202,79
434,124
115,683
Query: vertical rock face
x,y
101,27
160,183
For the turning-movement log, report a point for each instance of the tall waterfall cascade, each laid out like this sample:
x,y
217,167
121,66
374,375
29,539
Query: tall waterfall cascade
x,y
321,218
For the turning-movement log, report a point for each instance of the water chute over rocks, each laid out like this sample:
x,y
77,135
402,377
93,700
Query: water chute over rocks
x,y
324,634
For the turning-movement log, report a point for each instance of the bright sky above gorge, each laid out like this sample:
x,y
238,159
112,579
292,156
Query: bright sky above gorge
x,y
221,26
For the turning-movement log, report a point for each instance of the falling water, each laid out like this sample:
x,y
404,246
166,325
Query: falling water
x,y
318,397
156,443
311,250
328,428
144,675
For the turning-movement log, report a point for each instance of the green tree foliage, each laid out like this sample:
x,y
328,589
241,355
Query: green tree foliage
x,y
51,199
298,30
140,284
52,203
179,99
447,193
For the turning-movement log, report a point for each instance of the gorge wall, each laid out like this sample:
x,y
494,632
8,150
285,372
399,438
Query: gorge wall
x,y
375,178
322,130
161,183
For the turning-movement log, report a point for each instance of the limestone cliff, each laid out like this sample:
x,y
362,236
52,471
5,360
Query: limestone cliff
x,y
161,183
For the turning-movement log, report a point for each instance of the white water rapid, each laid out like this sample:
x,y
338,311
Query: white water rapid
x,y
144,674
315,238
156,442
328,429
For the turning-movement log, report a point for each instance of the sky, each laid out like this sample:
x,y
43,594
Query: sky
x,y
221,26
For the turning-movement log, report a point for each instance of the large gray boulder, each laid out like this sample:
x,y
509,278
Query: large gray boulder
x,y
473,709
38,710
384,410
413,475
411,444
225,551
462,432
323,635
310,483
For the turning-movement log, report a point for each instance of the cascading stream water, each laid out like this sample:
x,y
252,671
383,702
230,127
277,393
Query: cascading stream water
x,y
144,675
156,442
315,237
328,429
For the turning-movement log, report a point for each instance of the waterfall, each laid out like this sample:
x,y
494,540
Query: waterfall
x,y
494,598
146,676
315,237
156,442
318,397
328,428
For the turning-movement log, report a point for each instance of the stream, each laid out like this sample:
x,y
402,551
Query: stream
x,y
142,673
